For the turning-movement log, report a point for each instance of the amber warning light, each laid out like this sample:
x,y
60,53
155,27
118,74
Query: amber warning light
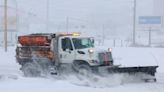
x,y
70,34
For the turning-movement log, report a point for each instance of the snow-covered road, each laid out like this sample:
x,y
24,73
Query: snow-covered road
x,y
12,80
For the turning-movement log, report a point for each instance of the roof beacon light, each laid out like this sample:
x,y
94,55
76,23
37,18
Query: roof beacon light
x,y
70,34
75,34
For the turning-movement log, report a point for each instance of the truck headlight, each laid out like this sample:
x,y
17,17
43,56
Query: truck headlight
x,y
90,51
110,49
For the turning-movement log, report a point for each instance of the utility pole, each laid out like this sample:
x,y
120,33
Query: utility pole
x,y
150,36
103,33
67,24
134,23
17,19
17,27
5,25
47,15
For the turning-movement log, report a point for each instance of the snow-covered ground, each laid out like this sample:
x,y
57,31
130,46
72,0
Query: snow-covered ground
x,y
12,79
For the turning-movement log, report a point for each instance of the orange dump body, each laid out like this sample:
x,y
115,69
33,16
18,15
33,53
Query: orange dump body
x,y
33,40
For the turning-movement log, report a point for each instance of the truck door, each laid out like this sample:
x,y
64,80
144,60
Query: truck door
x,y
66,52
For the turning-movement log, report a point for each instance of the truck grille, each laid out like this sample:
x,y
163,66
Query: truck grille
x,y
105,58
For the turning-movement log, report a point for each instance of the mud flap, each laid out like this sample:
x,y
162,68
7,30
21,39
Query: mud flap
x,y
53,70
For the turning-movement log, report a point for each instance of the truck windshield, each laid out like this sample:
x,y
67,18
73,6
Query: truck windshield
x,y
81,43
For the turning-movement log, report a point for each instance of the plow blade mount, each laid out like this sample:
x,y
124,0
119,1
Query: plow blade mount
x,y
150,70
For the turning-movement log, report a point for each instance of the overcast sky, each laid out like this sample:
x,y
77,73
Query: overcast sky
x,y
115,14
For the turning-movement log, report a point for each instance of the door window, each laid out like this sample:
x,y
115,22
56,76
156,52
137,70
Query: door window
x,y
66,44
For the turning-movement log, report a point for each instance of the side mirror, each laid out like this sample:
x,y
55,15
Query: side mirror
x,y
92,40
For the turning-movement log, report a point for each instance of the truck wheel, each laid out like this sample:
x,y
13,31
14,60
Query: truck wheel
x,y
84,71
31,70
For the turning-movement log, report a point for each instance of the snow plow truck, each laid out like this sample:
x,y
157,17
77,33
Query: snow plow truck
x,y
52,53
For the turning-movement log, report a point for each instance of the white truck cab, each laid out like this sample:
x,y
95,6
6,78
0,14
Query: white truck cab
x,y
75,48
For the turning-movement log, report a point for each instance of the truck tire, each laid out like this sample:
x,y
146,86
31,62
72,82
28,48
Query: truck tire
x,y
84,71
31,70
